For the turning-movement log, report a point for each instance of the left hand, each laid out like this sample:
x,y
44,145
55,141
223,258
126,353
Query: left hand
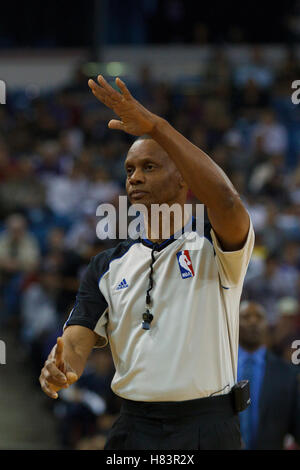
x,y
134,118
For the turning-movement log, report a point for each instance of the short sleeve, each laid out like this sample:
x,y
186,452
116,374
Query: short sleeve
x,y
90,309
233,265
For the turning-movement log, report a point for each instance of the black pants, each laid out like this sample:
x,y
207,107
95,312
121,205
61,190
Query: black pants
x,y
205,423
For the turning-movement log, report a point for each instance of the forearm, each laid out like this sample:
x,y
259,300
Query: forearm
x,y
74,356
78,344
204,177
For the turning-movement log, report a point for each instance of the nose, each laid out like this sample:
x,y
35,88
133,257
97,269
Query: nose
x,y
253,320
137,177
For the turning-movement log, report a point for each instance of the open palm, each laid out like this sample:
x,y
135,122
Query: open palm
x,y
134,118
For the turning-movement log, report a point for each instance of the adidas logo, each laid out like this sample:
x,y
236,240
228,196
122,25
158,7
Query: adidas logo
x,y
122,285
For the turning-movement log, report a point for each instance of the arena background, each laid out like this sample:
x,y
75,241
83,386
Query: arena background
x,y
222,75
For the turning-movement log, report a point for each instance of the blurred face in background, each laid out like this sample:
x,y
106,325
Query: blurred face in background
x,y
253,326
268,117
291,253
16,226
56,239
271,267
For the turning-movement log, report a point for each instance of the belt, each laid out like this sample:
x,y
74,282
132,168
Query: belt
x,y
221,404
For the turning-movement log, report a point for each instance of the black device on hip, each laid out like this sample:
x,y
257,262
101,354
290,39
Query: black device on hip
x,y
241,395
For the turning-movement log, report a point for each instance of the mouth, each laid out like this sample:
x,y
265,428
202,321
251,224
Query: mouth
x,y
137,194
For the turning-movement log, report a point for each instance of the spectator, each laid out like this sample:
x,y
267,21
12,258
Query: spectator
x,y
269,418
19,251
19,256
39,314
256,69
272,234
21,189
289,269
287,327
101,188
67,263
65,192
271,135
82,234
267,288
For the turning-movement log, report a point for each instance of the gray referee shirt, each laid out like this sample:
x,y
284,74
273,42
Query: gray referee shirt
x,y
191,348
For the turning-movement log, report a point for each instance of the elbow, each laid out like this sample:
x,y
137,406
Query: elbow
x,y
230,200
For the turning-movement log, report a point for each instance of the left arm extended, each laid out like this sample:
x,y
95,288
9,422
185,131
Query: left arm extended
x,y
205,178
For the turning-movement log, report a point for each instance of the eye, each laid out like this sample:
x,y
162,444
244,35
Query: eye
x,y
149,166
129,170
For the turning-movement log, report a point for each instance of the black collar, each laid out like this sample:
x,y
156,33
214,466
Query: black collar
x,y
191,225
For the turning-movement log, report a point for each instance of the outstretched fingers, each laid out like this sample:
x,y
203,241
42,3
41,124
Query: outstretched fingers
x,y
123,88
116,125
47,389
106,93
101,94
113,94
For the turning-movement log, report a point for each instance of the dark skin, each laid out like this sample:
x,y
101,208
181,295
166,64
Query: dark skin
x,y
164,168
152,178
201,174
253,326
149,169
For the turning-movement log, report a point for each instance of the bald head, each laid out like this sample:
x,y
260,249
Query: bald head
x,y
153,148
247,305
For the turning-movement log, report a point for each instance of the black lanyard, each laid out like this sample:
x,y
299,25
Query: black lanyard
x,y
147,316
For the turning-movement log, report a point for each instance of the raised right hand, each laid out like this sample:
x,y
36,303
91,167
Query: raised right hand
x,y
56,373
134,118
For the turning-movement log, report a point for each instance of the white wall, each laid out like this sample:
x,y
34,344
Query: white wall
x,y
47,69
41,69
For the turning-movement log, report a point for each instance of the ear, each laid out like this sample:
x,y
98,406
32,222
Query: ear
x,y
182,182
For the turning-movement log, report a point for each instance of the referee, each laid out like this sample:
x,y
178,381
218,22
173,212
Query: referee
x,y
169,312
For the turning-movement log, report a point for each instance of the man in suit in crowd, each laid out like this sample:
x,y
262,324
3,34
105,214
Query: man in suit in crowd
x,y
274,386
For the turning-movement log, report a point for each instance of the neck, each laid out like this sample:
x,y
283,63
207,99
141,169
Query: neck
x,y
162,226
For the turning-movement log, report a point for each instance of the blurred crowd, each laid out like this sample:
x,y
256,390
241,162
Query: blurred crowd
x,y
59,161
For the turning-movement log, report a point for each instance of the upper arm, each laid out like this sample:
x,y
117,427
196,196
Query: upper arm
x,y
90,309
231,224
233,264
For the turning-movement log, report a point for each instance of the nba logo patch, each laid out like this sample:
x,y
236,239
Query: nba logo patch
x,y
185,264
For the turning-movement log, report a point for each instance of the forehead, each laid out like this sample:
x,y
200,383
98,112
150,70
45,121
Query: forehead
x,y
252,309
147,149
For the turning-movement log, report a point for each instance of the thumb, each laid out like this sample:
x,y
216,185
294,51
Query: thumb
x,y
115,124
71,376
59,352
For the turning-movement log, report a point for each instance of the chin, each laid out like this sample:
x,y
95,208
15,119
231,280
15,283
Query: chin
x,y
143,200
253,343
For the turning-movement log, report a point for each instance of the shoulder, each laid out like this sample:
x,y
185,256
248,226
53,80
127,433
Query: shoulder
x,y
282,366
205,226
100,263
